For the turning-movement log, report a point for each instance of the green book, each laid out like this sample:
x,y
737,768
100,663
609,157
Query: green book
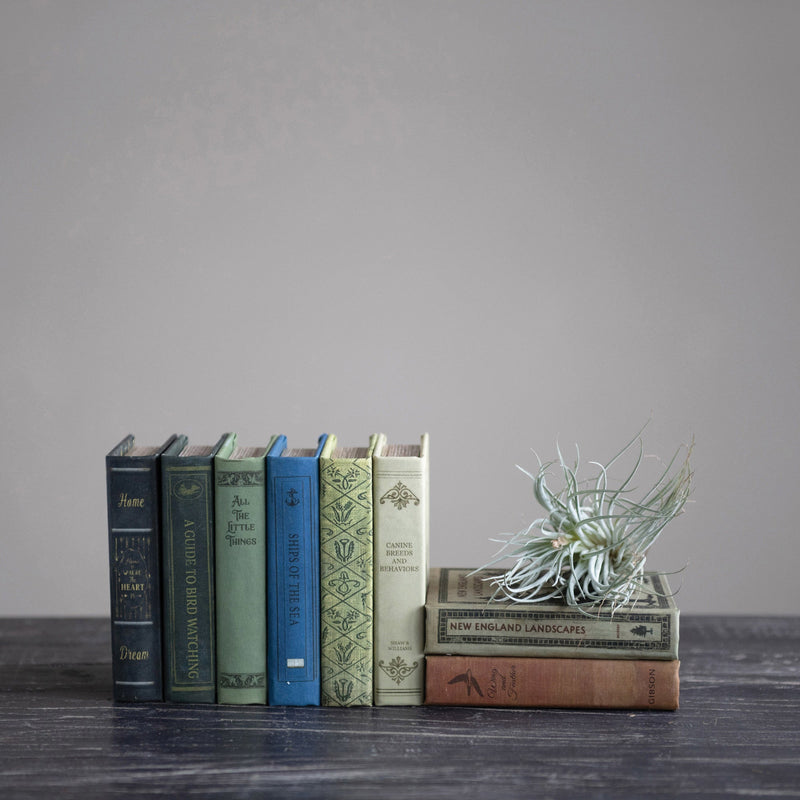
x,y
346,566
188,563
241,573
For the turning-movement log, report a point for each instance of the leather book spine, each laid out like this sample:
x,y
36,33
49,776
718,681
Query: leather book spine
x,y
134,542
293,632
552,682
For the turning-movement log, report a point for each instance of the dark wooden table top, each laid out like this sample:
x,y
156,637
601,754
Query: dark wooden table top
x,y
737,732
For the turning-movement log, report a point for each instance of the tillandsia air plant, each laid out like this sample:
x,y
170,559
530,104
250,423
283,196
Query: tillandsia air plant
x,y
590,547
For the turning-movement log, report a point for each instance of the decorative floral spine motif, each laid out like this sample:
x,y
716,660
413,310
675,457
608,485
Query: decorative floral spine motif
x,y
343,689
346,479
247,680
344,622
345,584
400,496
342,511
346,578
240,478
398,669
343,652
344,549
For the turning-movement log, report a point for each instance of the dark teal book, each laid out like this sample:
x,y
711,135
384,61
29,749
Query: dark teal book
x,y
133,487
187,480
293,623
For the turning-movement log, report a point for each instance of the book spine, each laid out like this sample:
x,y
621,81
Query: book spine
x,y
470,624
134,569
293,631
400,507
530,633
241,598
551,682
188,536
346,560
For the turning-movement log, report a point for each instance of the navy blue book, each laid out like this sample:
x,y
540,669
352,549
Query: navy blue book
x,y
133,486
293,624
187,495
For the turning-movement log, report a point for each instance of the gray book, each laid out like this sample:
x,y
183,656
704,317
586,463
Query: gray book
x,y
462,619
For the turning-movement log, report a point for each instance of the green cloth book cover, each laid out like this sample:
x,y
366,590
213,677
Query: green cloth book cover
x,y
346,567
241,573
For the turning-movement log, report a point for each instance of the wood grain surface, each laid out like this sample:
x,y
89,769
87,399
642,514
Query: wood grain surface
x,y
736,734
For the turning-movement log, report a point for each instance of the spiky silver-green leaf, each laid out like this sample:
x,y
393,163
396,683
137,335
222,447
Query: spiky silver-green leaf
x,y
590,547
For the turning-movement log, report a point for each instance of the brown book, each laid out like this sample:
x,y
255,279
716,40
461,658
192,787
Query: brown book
x,y
551,682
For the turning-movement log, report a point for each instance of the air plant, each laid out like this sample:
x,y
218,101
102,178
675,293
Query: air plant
x,y
591,546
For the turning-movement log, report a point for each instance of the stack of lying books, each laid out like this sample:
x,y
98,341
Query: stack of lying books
x,y
485,652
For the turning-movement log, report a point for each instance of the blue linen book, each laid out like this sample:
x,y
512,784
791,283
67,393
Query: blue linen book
x,y
293,624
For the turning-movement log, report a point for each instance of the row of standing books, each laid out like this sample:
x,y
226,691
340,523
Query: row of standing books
x,y
297,577
268,574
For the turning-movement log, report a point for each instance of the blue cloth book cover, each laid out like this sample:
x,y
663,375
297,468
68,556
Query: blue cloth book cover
x,y
293,623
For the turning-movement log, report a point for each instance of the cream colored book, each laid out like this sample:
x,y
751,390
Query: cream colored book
x,y
401,511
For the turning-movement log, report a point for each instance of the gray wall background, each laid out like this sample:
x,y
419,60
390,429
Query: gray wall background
x,y
507,224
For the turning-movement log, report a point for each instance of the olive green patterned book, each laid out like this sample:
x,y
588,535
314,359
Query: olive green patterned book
x,y
346,566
